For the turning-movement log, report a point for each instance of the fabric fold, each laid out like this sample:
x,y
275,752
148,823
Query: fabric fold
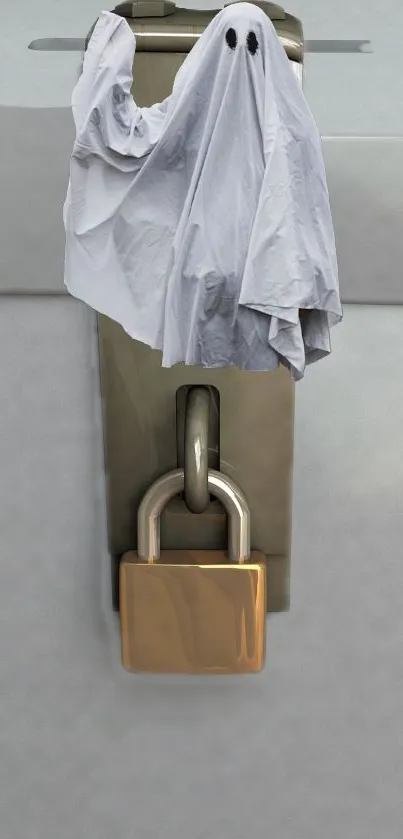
x,y
202,224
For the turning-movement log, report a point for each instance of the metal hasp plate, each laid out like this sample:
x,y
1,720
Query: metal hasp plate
x,y
163,41
255,446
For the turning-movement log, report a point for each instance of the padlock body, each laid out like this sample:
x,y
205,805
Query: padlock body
x,y
193,612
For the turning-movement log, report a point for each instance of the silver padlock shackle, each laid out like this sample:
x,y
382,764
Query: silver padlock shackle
x,y
171,484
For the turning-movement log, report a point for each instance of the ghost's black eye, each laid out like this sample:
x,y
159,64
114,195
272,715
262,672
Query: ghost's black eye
x,y
252,42
231,38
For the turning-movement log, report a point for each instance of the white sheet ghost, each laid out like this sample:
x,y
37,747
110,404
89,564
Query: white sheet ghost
x,y
202,224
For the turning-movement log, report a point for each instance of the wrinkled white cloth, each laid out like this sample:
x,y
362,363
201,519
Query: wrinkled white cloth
x,y
202,224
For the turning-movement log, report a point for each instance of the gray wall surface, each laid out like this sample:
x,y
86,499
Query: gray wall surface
x,y
355,99
314,746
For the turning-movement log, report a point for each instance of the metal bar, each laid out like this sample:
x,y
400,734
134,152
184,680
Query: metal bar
x,y
64,295
171,484
57,45
317,46
197,496
340,47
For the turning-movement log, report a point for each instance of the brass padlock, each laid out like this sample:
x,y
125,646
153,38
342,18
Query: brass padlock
x,y
193,611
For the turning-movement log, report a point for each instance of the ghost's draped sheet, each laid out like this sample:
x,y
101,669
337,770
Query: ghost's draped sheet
x,y
202,224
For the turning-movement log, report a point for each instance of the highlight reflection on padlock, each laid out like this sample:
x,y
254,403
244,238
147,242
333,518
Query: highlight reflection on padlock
x,y
193,611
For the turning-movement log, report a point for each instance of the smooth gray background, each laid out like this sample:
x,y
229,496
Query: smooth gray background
x,y
313,746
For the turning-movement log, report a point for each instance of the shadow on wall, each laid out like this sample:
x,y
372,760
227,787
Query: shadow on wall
x,y
365,180
35,148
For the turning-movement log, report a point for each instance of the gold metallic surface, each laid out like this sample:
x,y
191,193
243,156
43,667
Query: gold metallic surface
x,y
193,612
